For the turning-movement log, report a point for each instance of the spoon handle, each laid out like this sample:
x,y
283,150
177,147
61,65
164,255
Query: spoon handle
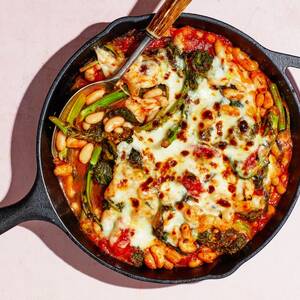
x,y
166,16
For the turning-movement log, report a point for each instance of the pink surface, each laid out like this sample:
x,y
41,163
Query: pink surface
x,y
37,260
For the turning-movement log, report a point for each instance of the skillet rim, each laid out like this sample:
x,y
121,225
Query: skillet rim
x,y
43,119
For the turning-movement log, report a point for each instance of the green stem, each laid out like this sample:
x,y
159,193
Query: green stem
x,y
89,183
171,136
104,102
76,109
95,155
287,115
60,124
278,101
274,119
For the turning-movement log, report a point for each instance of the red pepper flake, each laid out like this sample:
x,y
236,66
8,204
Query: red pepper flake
x,y
145,185
217,106
185,153
219,126
233,142
201,125
250,162
180,206
222,145
225,158
122,183
167,75
211,189
173,163
205,152
170,216
183,125
223,203
143,69
207,114
231,188
135,202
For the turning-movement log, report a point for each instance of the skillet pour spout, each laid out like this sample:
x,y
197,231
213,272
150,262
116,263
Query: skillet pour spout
x,y
46,200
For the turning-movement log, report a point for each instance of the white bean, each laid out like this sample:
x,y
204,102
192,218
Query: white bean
x,y
75,143
89,74
60,142
118,130
128,125
113,123
86,126
94,96
153,93
94,118
163,101
86,153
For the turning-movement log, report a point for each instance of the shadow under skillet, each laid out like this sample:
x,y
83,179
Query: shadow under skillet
x,y
23,159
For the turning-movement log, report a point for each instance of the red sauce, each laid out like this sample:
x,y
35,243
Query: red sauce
x,y
121,248
250,162
127,44
201,151
192,184
159,43
195,39
259,225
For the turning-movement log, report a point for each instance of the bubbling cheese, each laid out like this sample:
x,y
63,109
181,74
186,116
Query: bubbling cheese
x,y
166,167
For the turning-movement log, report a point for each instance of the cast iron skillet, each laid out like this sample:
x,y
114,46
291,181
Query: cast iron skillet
x,y
46,201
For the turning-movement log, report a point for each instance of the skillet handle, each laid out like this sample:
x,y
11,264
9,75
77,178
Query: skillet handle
x,y
283,61
34,206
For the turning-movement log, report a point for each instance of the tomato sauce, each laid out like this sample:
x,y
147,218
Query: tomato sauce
x,y
195,39
121,249
192,184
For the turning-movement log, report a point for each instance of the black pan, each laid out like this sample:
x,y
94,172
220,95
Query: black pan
x,y
46,201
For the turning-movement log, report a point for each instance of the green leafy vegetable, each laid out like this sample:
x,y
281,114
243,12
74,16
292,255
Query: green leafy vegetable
x,y
94,134
236,103
171,136
87,204
197,64
137,258
107,204
102,172
123,112
251,215
135,158
109,150
225,242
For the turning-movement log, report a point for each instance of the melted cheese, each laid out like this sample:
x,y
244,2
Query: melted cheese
x,y
209,171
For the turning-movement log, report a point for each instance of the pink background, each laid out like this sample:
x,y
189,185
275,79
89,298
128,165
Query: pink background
x,y
37,260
